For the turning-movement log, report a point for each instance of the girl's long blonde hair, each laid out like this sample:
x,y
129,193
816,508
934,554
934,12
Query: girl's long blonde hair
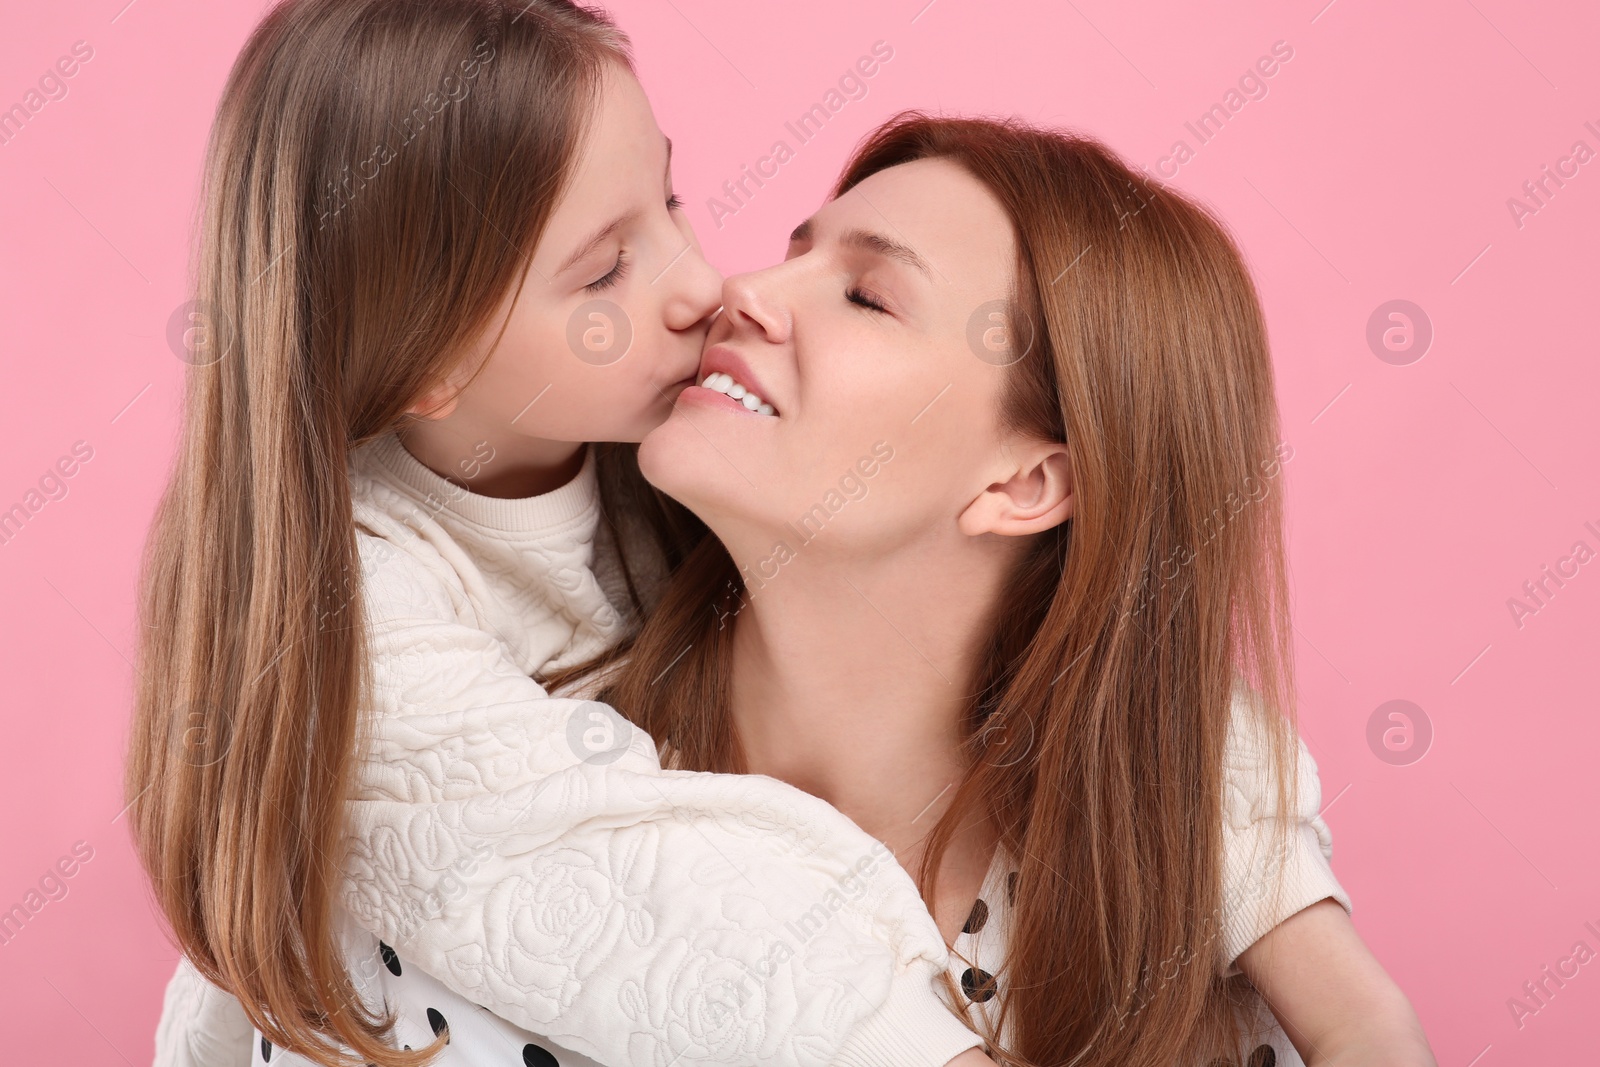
x,y
377,177
1097,725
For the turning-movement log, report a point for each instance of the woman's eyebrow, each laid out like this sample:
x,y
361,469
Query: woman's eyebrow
x,y
868,241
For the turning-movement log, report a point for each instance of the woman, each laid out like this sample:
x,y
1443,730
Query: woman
x,y
1007,599
987,580
256,511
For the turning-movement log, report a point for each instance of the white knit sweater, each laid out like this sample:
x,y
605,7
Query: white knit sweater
x,y
530,853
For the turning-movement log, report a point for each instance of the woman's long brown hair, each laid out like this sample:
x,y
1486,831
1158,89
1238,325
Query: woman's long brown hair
x,y
1098,721
378,175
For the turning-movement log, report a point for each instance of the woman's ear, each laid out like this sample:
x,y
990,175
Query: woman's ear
x,y
1035,494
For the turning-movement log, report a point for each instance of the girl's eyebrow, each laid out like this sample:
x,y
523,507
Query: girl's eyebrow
x,y
599,236
596,239
868,241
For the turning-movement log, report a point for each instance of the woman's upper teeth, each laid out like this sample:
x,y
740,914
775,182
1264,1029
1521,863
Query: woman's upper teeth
x,y
725,383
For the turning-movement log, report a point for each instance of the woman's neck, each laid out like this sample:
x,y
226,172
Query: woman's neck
x,y
851,682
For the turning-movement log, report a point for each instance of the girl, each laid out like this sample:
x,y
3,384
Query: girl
x,y
927,569
1011,593
337,710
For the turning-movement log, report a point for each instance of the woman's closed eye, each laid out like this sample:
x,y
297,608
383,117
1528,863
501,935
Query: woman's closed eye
x,y
861,297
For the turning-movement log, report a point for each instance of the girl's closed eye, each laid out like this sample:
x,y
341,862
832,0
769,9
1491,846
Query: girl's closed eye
x,y
617,272
611,277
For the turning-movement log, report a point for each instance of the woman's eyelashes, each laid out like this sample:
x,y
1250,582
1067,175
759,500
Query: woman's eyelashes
x,y
674,202
859,296
612,277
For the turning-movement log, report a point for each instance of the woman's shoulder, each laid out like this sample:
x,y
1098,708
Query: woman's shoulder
x,y
1249,776
977,957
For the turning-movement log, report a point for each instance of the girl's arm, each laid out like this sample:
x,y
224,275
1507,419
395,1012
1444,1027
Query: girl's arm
x,y
201,1026
1335,1001
531,853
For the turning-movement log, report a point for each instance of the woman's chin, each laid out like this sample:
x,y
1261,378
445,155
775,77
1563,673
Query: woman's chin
x,y
655,458
677,460
680,461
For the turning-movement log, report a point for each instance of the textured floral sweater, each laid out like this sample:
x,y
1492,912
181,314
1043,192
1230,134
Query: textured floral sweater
x,y
529,852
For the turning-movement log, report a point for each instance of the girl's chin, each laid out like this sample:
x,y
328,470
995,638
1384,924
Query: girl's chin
x,y
625,427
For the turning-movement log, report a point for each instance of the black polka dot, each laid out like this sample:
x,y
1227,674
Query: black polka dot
x,y
978,985
440,1027
1011,888
1263,1056
534,1056
979,916
390,960
266,1050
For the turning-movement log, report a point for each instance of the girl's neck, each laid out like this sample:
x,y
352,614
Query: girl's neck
x,y
851,681
494,463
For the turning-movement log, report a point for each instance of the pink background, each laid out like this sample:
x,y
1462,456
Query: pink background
x,y
1378,167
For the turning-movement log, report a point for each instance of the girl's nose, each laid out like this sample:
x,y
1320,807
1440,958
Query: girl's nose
x,y
695,288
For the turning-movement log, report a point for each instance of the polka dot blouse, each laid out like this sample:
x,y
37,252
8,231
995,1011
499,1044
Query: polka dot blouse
x,y
978,953
424,1008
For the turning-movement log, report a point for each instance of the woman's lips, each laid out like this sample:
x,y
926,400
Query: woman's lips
x,y
700,396
719,382
725,370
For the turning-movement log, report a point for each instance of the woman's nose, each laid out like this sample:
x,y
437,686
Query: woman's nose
x,y
753,302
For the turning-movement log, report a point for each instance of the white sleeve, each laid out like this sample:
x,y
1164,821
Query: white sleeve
x,y
1265,882
531,853
201,1026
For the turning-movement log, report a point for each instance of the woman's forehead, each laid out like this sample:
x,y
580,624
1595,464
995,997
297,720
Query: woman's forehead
x,y
935,210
